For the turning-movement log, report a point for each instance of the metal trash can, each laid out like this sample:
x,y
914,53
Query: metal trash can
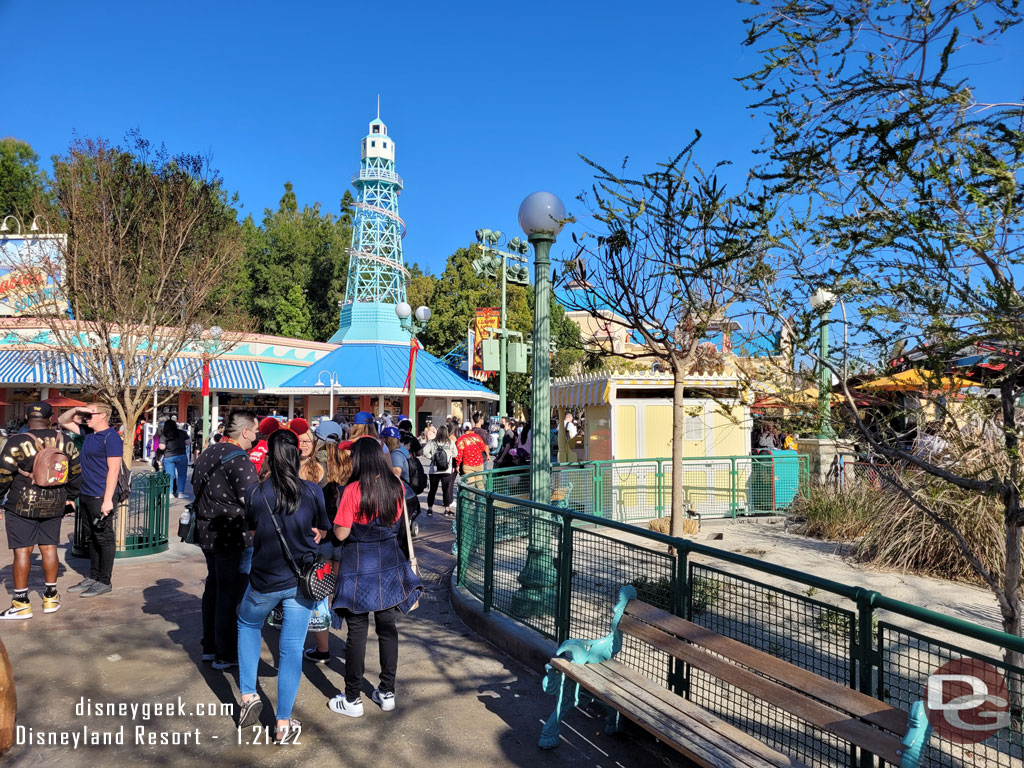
x,y
774,480
142,519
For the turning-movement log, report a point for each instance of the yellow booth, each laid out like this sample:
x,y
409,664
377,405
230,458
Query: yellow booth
x,y
629,416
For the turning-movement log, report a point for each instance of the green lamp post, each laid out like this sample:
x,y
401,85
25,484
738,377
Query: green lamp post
x,y
541,216
492,262
413,326
821,301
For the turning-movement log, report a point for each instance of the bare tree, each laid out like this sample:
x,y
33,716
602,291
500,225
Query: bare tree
x,y
147,263
911,190
672,256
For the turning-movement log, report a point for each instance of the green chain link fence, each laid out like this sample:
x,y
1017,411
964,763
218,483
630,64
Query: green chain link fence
x,y
559,571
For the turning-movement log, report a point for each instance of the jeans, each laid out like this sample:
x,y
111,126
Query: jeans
x,y
101,540
252,612
355,649
225,585
176,467
447,483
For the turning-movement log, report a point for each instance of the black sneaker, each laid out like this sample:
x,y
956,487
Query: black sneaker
x,y
315,656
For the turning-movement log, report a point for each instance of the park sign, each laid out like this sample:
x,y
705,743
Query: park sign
x,y
30,276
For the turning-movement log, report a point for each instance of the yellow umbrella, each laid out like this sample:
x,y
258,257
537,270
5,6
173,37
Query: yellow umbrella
x,y
915,379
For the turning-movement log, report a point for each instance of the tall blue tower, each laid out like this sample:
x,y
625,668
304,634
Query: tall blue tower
x,y
376,272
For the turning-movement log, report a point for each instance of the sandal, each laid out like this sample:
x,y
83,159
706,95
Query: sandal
x,y
250,712
283,732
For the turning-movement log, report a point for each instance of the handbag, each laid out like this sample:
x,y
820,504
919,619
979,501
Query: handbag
x,y
317,578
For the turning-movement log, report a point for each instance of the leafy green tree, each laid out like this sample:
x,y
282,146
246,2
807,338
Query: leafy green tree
x,y
292,314
296,248
912,210
24,188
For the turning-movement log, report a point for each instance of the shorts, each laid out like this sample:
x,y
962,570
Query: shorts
x,y
27,531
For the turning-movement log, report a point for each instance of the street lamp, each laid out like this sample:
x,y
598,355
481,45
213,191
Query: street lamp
x,y
541,216
334,382
491,262
413,325
821,301
5,228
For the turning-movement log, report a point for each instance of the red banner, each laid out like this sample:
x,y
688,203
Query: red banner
x,y
206,378
414,348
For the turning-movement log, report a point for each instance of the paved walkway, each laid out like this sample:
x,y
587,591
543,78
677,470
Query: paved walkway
x,y
459,699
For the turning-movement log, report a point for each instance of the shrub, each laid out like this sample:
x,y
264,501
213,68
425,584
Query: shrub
x,y
834,515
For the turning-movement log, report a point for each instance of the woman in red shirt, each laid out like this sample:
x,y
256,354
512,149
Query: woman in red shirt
x,y
374,576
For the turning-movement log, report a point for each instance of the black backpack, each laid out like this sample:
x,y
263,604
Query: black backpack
x,y
417,477
441,460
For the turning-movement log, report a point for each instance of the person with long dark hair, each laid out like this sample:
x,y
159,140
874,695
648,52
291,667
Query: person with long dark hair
x,y
374,577
298,507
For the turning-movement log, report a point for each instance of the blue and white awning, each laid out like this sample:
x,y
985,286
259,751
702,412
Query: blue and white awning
x,y
42,368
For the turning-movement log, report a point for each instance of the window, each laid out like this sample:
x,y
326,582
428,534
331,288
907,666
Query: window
x,y
376,129
373,143
385,145
693,424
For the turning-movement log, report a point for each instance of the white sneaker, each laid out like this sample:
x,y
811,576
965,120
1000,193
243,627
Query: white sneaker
x,y
343,706
385,701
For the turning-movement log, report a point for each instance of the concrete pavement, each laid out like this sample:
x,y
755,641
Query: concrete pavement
x,y
459,700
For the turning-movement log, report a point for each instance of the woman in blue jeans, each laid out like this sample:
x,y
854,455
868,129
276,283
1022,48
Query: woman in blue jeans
x,y
298,506
174,447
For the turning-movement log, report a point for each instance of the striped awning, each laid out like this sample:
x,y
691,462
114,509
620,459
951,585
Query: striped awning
x,y
16,367
582,393
43,368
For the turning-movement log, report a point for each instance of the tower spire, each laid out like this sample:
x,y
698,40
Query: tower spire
x,y
376,271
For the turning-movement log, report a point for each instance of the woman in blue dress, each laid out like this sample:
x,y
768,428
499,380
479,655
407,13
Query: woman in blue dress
x,y
375,577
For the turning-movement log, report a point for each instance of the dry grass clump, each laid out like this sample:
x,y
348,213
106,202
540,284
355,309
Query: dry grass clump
x,y
903,537
834,515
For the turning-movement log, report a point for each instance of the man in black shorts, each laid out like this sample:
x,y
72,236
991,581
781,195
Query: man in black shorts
x,y
34,513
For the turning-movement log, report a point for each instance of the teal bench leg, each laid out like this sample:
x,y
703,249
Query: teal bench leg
x,y
916,738
612,722
551,731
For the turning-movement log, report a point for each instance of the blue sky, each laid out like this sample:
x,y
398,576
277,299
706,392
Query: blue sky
x,y
486,102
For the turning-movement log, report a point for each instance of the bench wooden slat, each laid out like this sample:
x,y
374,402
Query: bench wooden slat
x,y
644,688
710,748
846,699
821,715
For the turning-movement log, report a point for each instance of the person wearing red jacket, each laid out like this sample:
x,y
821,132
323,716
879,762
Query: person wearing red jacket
x,y
267,427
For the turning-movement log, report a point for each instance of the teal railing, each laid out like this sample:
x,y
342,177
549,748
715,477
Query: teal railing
x,y
629,490
558,571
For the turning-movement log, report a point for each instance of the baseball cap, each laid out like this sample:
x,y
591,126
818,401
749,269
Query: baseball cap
x,y
391,432
345,445
328,431
363,417
39,411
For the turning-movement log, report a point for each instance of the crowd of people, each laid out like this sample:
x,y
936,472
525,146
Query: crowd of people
x,y
269,497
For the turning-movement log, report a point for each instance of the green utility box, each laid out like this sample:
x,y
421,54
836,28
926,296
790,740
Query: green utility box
x,y
774,481
517,357
492,355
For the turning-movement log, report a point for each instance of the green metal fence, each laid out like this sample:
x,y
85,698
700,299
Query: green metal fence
x,y
558,571
145,514
641,489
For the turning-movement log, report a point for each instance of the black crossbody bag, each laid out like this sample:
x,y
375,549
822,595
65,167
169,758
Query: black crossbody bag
x,y
317,578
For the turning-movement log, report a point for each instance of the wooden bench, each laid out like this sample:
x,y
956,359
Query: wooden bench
x,y
698,734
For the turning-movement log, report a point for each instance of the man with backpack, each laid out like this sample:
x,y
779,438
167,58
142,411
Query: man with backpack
x,y
102,460
40,472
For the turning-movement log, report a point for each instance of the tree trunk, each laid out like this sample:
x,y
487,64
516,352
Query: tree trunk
x,y
678,415
1012,619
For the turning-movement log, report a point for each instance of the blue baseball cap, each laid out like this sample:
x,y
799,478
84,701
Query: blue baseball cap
x,y
328,431
363,417
391,432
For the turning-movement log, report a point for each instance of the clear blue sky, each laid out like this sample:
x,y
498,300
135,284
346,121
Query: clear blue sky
x,y
486,101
